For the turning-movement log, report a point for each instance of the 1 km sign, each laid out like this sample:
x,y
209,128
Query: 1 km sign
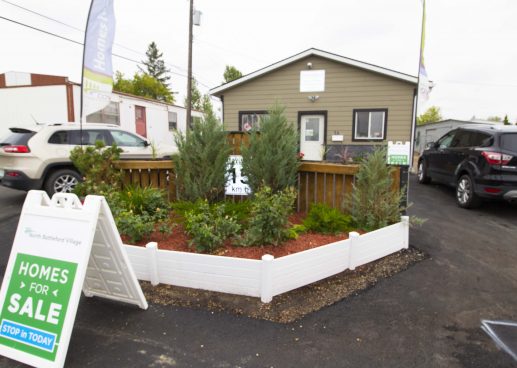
x,y
61,247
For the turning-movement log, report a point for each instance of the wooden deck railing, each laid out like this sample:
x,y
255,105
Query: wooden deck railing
x,y
317,182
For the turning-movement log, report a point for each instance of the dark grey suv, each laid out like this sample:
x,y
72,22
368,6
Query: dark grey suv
x,y
480,162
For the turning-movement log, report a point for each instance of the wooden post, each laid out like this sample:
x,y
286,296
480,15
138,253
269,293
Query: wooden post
x,y
152,262
266,286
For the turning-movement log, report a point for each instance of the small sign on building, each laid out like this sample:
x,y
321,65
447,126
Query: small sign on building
x,y
61,247
399,153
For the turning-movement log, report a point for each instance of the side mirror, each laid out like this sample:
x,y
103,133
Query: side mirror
x,y
146,144
430,145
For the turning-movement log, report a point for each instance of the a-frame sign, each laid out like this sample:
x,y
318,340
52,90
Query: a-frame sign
x,y
61,247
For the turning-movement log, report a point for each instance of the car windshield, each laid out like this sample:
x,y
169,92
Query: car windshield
x,y
17,137
509,142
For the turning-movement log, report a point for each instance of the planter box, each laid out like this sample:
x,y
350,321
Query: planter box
x,y
267,277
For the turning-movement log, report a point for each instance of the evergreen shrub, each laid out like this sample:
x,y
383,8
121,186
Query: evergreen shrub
x,y
201,162
373,203
271,158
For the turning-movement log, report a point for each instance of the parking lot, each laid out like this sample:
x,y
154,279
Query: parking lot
x,y
426,316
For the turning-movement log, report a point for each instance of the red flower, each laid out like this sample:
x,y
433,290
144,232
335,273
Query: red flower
x,y
300,155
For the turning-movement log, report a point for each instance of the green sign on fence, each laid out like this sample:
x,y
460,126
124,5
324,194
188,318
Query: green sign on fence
x,y
35,305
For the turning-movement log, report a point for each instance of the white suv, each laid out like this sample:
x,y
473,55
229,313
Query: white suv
x,y
39,157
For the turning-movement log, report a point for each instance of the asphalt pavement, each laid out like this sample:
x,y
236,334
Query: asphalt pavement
x,y
426,316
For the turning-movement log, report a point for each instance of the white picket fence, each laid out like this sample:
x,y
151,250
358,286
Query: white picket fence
x,y
267,277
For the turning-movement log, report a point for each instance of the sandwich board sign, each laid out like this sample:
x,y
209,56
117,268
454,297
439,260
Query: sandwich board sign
x,y
60,248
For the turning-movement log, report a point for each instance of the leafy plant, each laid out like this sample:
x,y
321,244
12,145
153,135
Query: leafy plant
x,y
209,226
138,210
271,158
136,227
95,163
324,219
373,202
201,164
269,219
295,231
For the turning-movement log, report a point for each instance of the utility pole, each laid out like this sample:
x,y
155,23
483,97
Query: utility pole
x,y
189,77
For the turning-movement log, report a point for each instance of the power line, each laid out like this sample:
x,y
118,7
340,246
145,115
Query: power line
x,y
80,43
81,30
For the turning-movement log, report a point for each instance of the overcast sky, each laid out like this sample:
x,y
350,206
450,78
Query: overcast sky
x,y
471,52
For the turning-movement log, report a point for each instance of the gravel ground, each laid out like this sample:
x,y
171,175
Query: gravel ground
x,y
295,304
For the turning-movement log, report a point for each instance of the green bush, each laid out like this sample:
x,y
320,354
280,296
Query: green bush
x,y
136,227
373,203
269,219
324,219
271,158
201,162
209,226
295,231
138,210
142,200
95,163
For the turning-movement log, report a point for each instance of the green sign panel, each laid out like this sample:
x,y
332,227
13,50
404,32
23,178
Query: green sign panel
x,y
398,160
35,305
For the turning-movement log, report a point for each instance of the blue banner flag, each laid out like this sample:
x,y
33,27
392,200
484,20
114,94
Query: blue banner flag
x,y
97,80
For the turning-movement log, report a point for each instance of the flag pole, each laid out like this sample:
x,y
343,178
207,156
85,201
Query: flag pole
x,y
82,74
420,60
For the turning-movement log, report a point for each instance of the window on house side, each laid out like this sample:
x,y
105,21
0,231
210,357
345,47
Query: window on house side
x,y
250,120
370,124
173,120
108,115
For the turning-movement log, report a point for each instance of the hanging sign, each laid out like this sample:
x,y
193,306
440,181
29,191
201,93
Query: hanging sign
x,y
61,247
399,153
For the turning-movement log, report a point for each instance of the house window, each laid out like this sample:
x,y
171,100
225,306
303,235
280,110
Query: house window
x,y
250,119
370,124
173,121
108,115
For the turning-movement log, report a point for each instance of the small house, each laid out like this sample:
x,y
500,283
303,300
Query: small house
x,y
341,106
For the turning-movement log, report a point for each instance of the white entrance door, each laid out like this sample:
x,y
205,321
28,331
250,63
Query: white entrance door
x,y
311,137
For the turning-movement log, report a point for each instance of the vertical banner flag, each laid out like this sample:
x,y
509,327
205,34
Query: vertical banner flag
x,y
423,80
97,80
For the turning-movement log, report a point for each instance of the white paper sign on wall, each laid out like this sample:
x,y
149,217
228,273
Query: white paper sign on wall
x,y
60,248
399,153
236,184
312,81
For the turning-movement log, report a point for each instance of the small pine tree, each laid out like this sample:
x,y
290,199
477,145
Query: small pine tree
x,y
271,158
201,163
373,203
506,121
155,66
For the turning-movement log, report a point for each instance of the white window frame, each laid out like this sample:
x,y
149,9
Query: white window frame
x,y
172,121
370,137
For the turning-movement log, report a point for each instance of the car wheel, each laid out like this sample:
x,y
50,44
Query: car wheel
x,y
62,181
465,195
422,173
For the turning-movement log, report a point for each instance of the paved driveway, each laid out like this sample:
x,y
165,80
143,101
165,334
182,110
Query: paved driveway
x,y
427,316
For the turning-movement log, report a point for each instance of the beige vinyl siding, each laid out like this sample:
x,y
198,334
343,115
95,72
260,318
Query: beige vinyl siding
x,y
346,88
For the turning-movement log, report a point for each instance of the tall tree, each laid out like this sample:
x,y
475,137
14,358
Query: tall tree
x,y
432,115
143,85
231,73
197,104
506,121
155,66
